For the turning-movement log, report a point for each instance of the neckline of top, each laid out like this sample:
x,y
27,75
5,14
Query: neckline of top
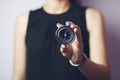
x,y
49,14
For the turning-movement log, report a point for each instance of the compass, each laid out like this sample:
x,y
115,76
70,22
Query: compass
x,y
65,35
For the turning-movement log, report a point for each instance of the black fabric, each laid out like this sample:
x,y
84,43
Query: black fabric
x,y
44,60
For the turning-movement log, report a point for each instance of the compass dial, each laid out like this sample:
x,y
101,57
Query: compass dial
x,y
65,35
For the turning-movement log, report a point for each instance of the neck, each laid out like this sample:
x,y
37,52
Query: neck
x,y
56,6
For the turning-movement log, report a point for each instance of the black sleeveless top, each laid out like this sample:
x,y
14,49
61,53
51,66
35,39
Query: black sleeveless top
x,y
43,58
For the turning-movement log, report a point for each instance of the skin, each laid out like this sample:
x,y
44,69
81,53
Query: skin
x,y
98,61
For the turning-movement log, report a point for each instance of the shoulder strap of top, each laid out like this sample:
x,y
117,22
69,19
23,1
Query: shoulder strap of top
x,y
33,14
82,11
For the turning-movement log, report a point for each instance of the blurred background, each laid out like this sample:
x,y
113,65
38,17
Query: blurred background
x,y
10,9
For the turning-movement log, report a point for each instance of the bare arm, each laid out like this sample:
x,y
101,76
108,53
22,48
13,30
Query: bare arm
x,y
19,46
97,68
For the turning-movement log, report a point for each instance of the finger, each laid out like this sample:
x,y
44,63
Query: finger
x,y
63,50
68,23
73,26
59,25
63,46
78,35
76,30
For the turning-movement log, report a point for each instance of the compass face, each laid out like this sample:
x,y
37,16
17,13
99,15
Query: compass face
x,y
65,35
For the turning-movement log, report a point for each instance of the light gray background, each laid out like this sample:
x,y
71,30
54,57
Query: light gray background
x,y
9,9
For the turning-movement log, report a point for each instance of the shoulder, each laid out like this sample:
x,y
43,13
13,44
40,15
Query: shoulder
x,y
22,16
94,18
21,22
94,13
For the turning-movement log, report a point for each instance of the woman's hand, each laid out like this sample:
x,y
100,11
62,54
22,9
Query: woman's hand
x,y
74,50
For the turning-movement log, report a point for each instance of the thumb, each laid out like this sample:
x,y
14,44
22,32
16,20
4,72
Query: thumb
x,y
63,48
66,50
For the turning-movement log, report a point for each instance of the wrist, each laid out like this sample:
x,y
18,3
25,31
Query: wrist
x,y
80,62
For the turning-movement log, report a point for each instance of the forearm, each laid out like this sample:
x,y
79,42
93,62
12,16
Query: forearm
x,y
18,78
95,71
